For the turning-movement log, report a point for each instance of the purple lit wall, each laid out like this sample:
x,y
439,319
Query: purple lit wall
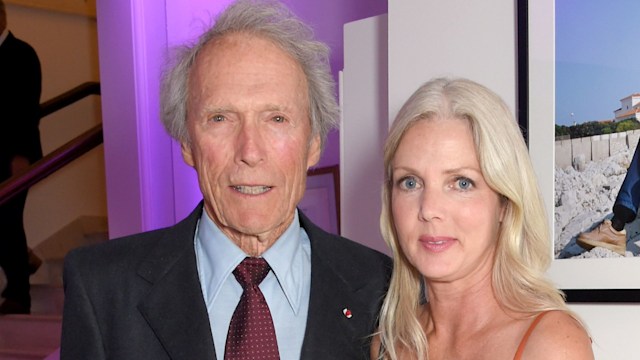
x,y
148,185
139,194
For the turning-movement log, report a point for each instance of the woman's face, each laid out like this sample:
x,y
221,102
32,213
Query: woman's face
x,y
446,216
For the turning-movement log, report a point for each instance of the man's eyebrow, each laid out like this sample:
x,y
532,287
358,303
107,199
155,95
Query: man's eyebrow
x,y
217,109
227,109
274,107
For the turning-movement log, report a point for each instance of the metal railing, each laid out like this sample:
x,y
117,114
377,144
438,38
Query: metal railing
x,y
64,154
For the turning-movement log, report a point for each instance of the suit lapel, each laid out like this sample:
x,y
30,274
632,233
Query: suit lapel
x,y
330,333
174,307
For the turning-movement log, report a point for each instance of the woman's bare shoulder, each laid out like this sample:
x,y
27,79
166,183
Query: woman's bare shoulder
x,y
559,336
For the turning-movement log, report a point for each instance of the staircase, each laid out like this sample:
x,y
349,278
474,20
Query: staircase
x,y
37,336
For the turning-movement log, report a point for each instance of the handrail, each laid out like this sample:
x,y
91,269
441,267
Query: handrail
x,y
51,163
64,154
69,97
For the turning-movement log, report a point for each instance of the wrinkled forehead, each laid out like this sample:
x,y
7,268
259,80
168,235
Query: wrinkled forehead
x,y
235,48
245,52
249,66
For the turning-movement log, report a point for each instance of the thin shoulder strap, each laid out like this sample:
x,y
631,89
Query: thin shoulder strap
x,y
525,338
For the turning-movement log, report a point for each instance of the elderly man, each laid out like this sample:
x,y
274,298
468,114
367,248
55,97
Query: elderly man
x,y
246,275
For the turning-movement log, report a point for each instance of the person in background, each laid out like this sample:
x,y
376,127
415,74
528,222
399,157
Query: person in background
x,y
20,88
610,234
247,275
465,221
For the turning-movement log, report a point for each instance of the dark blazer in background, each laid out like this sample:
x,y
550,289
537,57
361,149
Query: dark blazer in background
x,y
140,298
20,87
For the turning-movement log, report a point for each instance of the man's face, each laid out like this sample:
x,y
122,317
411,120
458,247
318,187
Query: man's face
x,y
250,135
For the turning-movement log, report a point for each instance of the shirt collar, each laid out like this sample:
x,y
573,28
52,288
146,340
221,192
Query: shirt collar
x,y
222,256
3,36
285,257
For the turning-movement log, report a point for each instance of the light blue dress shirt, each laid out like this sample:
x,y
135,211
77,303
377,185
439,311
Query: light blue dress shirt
x,y
286,288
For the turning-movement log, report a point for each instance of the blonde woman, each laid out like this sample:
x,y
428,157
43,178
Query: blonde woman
x,y
464,218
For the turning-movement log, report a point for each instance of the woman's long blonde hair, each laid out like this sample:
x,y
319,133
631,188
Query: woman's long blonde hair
x,y
523,250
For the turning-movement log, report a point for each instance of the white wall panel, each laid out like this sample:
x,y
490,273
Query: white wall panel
x,y
363,129
432,38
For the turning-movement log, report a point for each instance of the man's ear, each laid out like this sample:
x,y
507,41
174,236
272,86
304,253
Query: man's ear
x,y
314,152
187,155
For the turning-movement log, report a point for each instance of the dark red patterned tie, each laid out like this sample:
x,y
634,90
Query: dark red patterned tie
x,y
251,333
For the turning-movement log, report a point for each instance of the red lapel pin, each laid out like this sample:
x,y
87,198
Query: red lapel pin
x,y
347,313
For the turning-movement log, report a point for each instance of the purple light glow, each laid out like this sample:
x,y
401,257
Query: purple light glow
x,y
148,184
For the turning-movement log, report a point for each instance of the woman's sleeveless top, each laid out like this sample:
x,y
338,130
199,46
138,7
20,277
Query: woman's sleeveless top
x,y
525,338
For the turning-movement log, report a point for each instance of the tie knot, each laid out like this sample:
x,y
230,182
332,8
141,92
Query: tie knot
x,y
251,271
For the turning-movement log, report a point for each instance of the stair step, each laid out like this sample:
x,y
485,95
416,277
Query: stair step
x,y
84,230
37,333
20,354
49,273
47,299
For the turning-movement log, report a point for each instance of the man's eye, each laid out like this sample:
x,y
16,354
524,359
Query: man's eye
x,y
278,119
217,118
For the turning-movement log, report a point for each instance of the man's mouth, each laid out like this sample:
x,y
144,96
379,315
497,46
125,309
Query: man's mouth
x,y
252,190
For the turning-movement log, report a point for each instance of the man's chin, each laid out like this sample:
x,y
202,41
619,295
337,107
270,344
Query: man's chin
x,y
263,227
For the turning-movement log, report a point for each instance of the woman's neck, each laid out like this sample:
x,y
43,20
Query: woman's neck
x,y
462,307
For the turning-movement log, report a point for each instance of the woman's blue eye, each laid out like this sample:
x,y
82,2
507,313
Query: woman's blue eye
x,y
409,183
464,183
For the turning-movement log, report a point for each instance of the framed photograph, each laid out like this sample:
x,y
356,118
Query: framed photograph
x,y
321,201
80,7
570,78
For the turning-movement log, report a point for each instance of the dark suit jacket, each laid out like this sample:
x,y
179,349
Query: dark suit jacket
x,y
20,87
140,298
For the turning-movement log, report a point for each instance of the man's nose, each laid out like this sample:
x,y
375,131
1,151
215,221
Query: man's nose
x,y
250,147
